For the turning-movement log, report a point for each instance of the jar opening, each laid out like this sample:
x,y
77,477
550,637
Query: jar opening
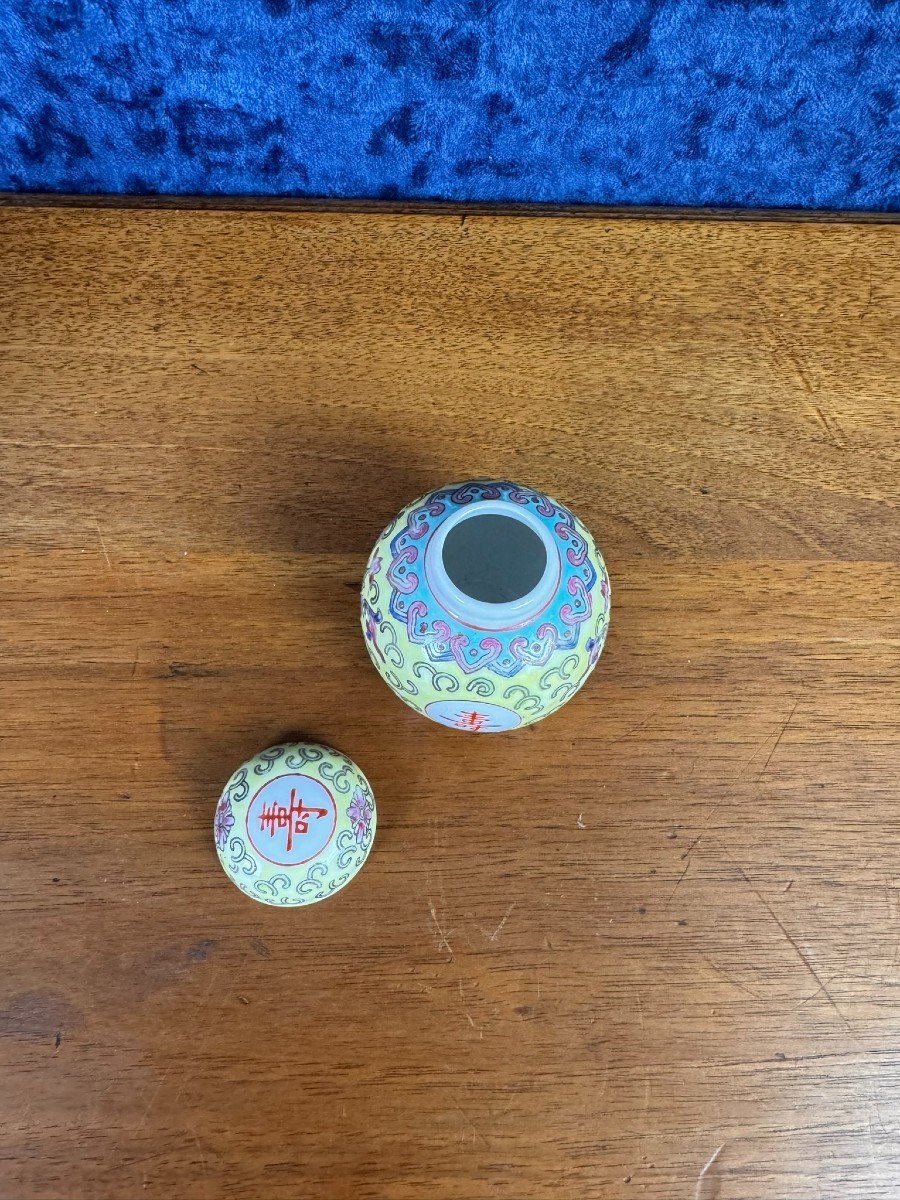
x,y
493,566
493,558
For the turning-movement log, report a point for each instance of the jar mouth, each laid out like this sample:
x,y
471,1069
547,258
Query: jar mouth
x,y
493,565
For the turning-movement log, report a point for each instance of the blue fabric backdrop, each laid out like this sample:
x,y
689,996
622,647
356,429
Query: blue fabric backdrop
x,y
689,102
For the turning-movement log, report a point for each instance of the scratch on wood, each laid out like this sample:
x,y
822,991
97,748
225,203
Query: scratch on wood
x,y
103,545
872,1136
640,725
832,436
880,1118
499,928
189,1076
793,359
702,1193
806,999
443,942
468,1014
778,740
687,867
893,914
143,1120
202,1156
728,979
691,846
467,1119
803,958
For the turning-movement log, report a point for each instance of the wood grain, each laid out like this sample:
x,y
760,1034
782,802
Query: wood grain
x,y
650,947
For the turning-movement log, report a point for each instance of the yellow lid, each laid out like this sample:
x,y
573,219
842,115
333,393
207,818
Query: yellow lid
x,y
294,824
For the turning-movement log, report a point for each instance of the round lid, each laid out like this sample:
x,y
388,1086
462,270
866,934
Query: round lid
x,y
294,824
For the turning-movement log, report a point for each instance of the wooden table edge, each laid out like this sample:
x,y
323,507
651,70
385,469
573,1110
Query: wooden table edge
x,y
441,208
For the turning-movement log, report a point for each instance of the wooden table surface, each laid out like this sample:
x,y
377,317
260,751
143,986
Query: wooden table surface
x,y
649,947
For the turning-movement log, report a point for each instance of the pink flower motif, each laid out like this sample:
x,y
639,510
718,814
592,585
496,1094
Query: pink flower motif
x,y
360,816
374,566
224,822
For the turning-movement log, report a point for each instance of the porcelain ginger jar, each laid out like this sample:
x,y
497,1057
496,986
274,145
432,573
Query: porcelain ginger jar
x,y
485,605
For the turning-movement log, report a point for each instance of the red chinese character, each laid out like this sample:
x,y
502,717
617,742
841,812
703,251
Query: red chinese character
x,y
470,720
293,819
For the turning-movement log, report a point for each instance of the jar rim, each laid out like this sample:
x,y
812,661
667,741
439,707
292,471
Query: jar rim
x,y
482,614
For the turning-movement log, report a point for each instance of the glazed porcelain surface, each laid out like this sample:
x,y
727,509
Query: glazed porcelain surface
x,y
476,664
294,824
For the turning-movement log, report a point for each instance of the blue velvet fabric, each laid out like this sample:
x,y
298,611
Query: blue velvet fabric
x,y
687,102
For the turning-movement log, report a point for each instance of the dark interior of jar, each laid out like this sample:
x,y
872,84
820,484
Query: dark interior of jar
x,y
494,559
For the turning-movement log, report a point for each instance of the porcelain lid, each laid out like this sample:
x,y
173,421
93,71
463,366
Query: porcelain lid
x,y
294,824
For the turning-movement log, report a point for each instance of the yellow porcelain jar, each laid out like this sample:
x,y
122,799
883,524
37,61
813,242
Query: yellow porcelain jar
x,y
485,605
